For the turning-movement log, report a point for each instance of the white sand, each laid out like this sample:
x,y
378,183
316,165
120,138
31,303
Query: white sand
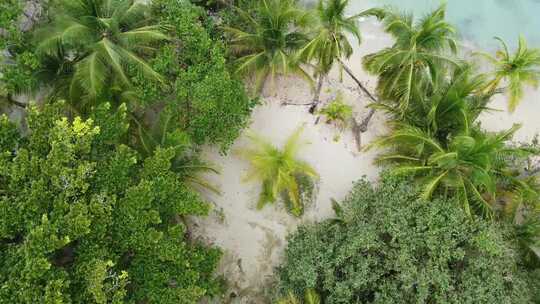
x,y
253,240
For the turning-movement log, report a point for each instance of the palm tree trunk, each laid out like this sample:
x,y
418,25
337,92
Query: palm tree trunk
x,y
362,87
363,126
317,96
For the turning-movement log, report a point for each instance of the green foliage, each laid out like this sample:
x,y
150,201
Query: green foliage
x,y
518,70
280,172
467,166
19,76
269,43
389,246
10,11
98,39
209,104
337,112
416,59
310,297
84,220
451,108
329,40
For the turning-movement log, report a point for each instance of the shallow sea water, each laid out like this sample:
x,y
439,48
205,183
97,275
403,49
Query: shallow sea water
x,y
478,21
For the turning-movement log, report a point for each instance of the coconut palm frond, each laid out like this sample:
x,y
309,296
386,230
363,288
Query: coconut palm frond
x,y
279,170
101,40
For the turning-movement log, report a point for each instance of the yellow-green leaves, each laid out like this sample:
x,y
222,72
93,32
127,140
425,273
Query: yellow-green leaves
x,y
280,172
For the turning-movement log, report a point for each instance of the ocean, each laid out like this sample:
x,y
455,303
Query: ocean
x,y
478,21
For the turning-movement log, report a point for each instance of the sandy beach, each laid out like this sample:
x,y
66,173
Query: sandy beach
x,y
253,240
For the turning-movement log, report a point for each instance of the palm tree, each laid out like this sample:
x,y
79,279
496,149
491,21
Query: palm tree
x,y
269,44
450,108
468,165
93,45
518,69
418,55
281,172
330,41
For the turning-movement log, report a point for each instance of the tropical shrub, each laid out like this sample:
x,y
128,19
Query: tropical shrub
x,y
17,62
281,172
269,43
10,11
387,245
337,112
517,70
205,100
84,219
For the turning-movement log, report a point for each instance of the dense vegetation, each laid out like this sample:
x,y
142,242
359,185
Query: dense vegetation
x,y
98,171
83,219
375,251
387,245
95,189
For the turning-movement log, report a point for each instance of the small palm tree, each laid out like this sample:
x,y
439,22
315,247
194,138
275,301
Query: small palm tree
x,y
281,172
310,297
518,69
93,43
468,166
418,55
330,42
269,45
338,112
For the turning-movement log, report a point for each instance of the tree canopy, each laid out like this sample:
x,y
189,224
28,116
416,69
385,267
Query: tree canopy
x,y
386,245
84,219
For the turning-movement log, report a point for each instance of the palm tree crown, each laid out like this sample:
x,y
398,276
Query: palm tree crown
x,y
417,56
330,41
269,44
518,69
280,171
468,166
100,40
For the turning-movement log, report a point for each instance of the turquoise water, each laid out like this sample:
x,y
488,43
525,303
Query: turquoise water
x,y
479,21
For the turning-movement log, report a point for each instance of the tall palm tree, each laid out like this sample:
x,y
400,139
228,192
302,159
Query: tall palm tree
x,y
517,70
330,42
468,165
281,172
94,44
268,45
419,54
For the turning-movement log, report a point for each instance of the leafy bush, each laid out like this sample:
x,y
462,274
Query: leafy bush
x,y
389,246
213,105
10,10
85,220
338,112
